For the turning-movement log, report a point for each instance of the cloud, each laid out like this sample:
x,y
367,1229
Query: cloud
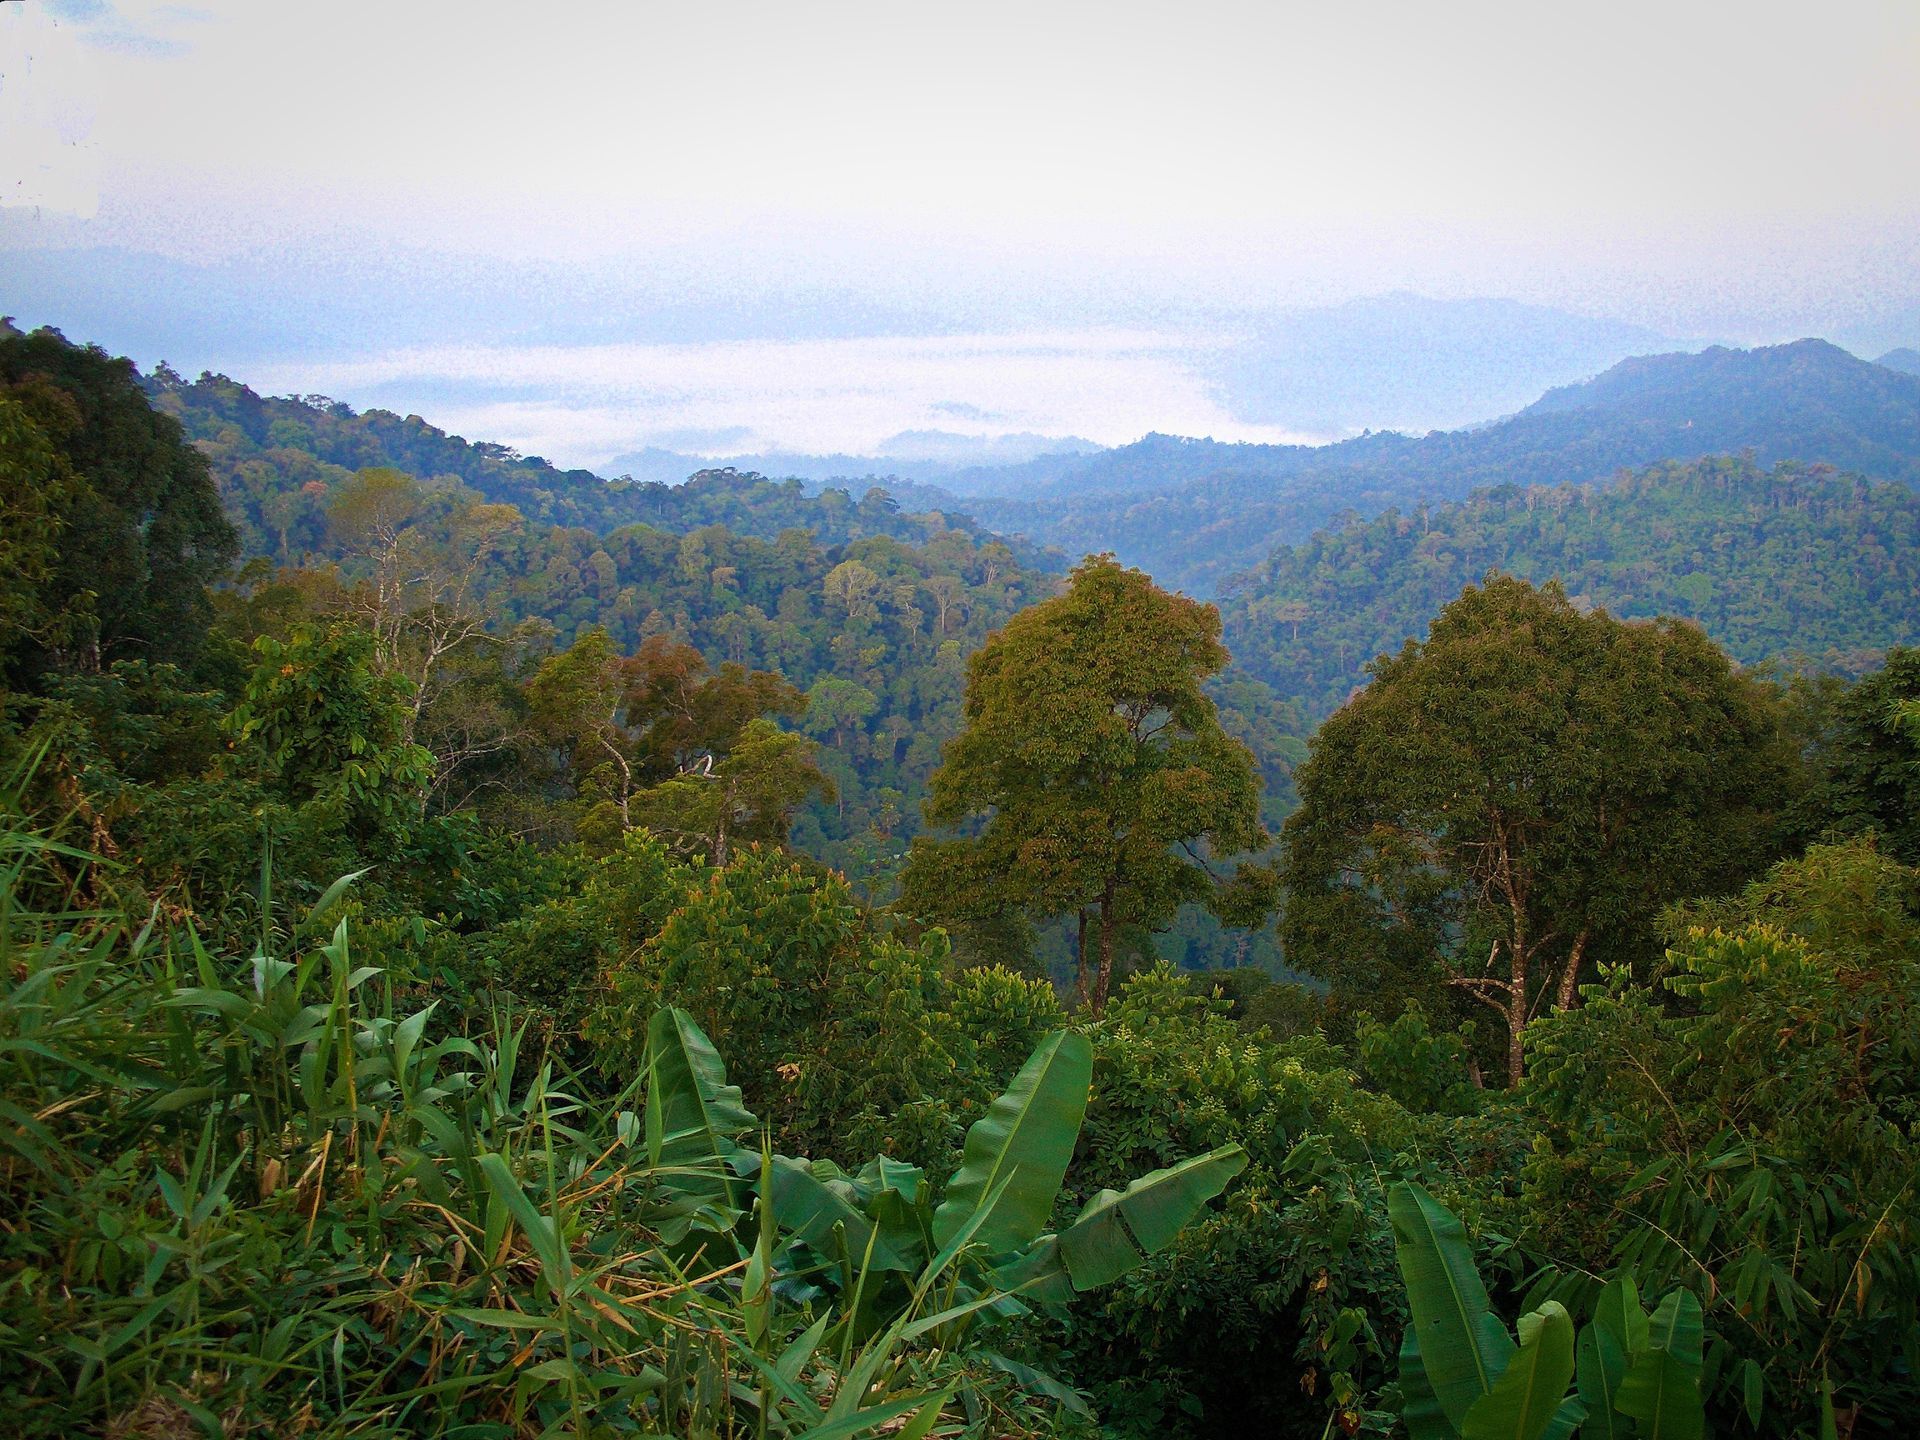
x,y
824,396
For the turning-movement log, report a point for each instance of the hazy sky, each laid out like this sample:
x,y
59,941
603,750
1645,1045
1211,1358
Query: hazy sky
x,y
644,199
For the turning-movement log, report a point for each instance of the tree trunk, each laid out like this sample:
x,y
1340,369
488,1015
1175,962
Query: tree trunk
x,y
1516,1011
1108,924
1080,959
1570,977
1516,1025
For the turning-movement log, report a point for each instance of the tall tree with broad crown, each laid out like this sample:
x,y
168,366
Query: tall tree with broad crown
x,y
1094,771
1515,798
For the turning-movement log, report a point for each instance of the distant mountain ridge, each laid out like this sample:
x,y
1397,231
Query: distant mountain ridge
x,y
1194,512
1403,361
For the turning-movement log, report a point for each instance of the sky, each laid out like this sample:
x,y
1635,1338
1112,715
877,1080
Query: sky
x,y
591,227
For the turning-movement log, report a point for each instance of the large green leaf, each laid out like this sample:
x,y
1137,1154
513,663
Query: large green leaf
x,y
813,1198
1601,1366
1038,1273
1420,1408
1605,1350
896,1197
1463,1347
1566,1420
1662,1385
1528,1394
1617,1312
1020,1148
1118,1230
693,1115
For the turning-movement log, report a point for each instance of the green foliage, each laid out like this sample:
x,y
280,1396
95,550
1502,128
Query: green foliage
x,y
1516,797
885,1240
262,1196
1428,1071
1274,1310
1872,757
1096,763
137,517
834,1023
1755,1140
32,491
1792,561
327,728
1463,1375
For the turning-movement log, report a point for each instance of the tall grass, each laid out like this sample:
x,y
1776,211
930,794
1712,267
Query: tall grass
x,y
261,1195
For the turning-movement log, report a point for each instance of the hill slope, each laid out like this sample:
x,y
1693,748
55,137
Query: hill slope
x,y
1193,512
1797,560
276,458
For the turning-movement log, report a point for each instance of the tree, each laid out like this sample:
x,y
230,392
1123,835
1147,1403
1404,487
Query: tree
x,y
425,554
1515,798
1873,757
141,532
574,700
1777,1178
327,726
1094,767
656,738
747,796
31,491
853,586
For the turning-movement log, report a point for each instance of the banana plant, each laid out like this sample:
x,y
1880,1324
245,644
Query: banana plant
x,y
1463,1377
881,1239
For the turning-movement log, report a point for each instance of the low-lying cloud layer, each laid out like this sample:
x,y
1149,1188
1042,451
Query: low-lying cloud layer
x,y
583,404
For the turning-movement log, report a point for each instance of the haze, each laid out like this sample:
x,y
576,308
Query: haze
x,y
744,226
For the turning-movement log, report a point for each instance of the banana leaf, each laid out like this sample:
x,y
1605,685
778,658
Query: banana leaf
x,y
1528,1394
1119,1230
1016,1154
1605,1350
1463,1346
693,1115
1662,1385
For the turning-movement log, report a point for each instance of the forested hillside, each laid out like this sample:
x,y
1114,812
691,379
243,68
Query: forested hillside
x,y
422,1014
1797,563
269,453
867,610
1193,513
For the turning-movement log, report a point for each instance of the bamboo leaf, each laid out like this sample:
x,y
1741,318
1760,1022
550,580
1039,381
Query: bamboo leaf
x,y
321,906
540,1229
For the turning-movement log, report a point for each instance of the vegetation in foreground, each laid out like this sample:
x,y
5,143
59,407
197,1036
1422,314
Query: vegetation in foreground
x,y
339,1102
